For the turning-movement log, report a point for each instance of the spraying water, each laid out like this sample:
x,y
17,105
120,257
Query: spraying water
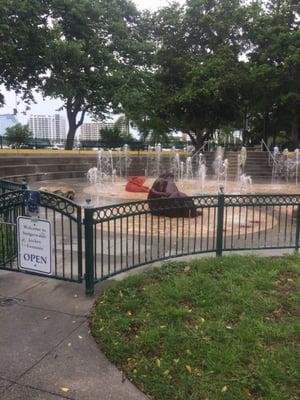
x,y
220,166
189,169
105,171
157,158
201,173
175,164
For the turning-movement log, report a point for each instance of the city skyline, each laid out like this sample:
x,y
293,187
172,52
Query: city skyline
x,y
52,127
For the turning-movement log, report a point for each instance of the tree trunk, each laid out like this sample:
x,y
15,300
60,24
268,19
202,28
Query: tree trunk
x,y
73,109
296,132
71,136
198,138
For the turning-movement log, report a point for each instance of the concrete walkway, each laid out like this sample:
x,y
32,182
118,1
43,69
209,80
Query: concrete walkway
x,y
46,350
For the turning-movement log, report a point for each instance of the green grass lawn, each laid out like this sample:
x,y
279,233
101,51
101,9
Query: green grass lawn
x,y
225,328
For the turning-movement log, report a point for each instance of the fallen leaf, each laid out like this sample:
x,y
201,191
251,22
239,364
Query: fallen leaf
x,y
229,327
163,326
65,389
69,344
47,317
158,362
202,320
176,360
80,337
129,313
75,295
189,368
224,389
166,372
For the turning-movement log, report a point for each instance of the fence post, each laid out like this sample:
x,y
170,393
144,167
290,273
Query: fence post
x,y
297,230
89,250
220,222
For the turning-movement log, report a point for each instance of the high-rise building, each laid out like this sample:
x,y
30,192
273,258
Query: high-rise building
x,y
7,121
91,131
59,127
52,127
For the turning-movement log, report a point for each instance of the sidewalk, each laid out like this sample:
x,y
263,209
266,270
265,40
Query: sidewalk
x,y
46,350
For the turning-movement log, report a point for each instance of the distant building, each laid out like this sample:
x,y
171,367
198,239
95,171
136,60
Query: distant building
x,y
59,127
7,121
91,131
184,136
52,127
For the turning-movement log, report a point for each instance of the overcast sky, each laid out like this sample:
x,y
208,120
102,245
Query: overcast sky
x,y
49,106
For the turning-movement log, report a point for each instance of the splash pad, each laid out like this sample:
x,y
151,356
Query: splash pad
x,y
107,181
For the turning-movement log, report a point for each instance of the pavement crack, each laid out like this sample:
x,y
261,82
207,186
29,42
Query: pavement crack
x,y
62,396
52,310
30,288
50,351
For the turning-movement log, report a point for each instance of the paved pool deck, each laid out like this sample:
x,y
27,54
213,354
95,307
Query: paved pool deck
x,y
46,350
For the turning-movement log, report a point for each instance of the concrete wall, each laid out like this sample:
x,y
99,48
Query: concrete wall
x,y
61,166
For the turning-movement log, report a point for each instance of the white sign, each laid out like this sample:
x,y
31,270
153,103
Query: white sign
x,y
34,245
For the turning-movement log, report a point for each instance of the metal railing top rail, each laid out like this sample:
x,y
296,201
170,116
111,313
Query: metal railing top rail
x,y
48,200
5,184
200,150
127,209
62,204
271,156
11,199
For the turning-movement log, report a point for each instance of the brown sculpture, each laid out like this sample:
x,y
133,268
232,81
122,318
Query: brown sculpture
x,y
178,205
64,191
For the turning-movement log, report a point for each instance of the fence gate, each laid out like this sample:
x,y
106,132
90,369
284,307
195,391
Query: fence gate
x,y
66,232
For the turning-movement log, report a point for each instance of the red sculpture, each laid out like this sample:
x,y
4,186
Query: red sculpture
x,y
179,204
135,184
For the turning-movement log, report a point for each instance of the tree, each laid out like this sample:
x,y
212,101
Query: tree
x,y
195,83
113,137
79,51
24,36
92,56
18,135
274,73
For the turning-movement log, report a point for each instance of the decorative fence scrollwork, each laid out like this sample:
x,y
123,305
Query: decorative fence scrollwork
x,y
65,217
95,244
128,235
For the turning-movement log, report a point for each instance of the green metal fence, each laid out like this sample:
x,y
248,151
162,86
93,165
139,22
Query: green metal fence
x,y
7,186
125,236
94,244
65,217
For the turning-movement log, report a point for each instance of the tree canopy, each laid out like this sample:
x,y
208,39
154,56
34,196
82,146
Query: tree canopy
x,y
198,68
24,35
223,63
18,135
